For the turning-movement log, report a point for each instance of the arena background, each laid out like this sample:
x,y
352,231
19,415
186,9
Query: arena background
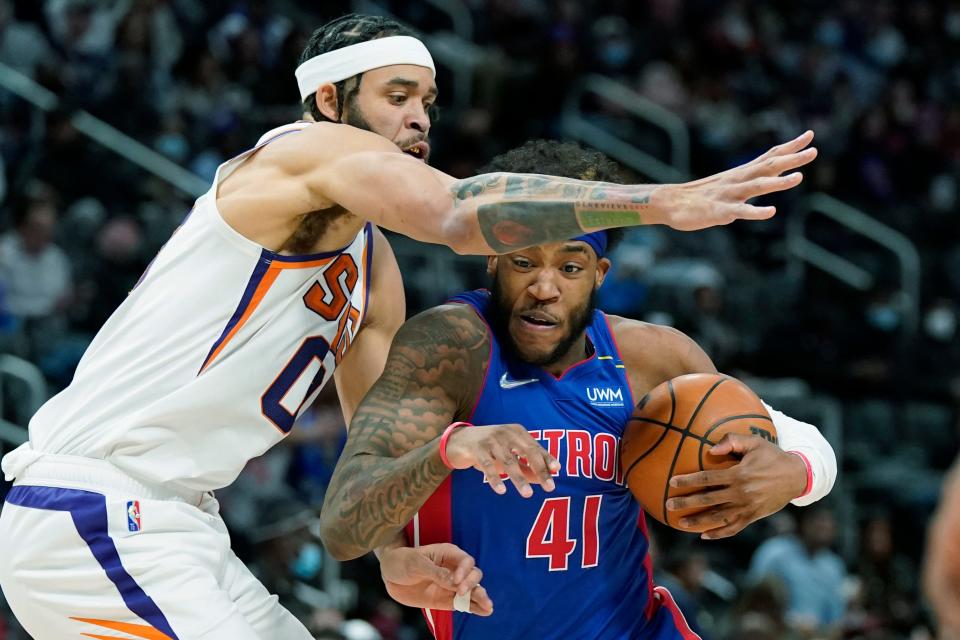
x,y
841,311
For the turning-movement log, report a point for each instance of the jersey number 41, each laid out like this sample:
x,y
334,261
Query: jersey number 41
x,y
550,535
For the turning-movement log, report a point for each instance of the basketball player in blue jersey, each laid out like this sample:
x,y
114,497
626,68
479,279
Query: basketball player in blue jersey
x,y
278,281
554,382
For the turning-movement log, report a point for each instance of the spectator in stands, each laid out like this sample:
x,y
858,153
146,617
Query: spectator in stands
x,y
287,555
889,580
760,613
682,573
22,45
811,571
36,275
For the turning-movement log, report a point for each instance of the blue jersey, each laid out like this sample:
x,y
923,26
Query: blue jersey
x,y
573,563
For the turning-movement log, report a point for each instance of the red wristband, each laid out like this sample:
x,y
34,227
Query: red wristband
x,y
806,463
446,437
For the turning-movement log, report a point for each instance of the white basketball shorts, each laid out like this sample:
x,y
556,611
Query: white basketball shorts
x,y
86,551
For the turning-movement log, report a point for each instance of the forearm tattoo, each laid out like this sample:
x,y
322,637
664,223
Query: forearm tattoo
x,y
522,210
390,465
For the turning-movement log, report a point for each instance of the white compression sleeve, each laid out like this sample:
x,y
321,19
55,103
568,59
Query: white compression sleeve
x,y
806,440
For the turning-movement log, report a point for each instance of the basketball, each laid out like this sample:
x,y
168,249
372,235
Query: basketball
x,y
671,432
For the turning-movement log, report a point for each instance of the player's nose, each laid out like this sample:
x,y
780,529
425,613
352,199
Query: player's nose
x,y
417,117
544,286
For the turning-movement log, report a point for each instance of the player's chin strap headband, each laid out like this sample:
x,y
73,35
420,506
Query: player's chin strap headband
x,y
597,240
347,62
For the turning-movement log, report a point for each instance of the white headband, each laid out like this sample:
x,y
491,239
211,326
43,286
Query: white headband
x,y
347,62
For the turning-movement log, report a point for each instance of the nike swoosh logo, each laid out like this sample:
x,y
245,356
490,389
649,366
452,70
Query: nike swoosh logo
x,y
513,384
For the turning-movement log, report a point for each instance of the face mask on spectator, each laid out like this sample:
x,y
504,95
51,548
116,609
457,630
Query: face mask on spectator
x,y
307,564
940,324
174,146
616,53
883,317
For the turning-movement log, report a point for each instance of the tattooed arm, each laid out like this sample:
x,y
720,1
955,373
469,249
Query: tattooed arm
x,y
504,212
331,168
390,464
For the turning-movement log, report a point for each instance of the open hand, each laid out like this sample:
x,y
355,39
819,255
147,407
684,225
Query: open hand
x,y
429,577
722,198
506,449
762,483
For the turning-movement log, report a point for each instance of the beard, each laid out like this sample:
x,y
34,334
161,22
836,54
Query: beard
x,y
577,323
353,116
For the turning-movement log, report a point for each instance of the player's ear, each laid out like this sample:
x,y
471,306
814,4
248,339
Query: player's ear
x,y
326,97
603,267
492,265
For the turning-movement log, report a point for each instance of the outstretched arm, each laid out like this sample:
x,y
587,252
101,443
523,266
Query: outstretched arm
x,y
503,212
325,167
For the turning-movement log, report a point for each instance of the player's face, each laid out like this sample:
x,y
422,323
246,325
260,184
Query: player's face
x,y
395,102
543,299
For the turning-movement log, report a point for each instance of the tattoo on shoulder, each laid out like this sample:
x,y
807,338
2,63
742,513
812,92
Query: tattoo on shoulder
x,y
434,371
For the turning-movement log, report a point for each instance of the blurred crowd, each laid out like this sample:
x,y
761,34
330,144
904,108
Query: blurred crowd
x,y
879,82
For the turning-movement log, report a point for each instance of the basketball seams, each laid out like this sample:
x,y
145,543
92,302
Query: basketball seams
x,y
706,434
667,429
679,449
665,425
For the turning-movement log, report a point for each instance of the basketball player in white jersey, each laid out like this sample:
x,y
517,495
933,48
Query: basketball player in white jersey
x,y
277,281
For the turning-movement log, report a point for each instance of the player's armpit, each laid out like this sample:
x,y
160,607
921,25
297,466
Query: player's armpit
x,y
365,359
391,462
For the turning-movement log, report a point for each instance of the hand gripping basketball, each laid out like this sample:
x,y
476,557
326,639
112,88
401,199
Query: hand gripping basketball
x,y
762,483
502,451
699,454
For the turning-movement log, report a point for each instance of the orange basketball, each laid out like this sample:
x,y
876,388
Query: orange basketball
x,y
671,432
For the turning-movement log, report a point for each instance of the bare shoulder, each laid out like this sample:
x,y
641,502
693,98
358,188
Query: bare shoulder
x,y
439,357
319,142
447,329
275,196
654,353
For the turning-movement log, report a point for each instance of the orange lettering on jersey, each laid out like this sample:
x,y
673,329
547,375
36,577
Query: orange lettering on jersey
x,y
343,338
340,277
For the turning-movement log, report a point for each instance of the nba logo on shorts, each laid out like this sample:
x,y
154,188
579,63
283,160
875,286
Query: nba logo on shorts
x,y
133,515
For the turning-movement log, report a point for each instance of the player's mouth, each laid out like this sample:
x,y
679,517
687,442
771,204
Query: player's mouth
x,y
536,320
419,150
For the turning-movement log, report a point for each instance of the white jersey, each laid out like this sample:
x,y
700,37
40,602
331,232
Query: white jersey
x,y
213,355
